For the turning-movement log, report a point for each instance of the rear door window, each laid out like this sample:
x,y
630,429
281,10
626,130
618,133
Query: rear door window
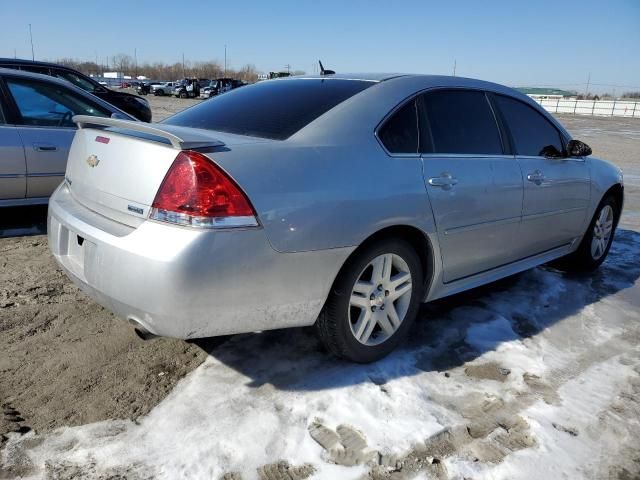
x,y
532,134
460,122
49,105
399,134
272,109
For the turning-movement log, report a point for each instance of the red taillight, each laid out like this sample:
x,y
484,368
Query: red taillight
x,y
196,192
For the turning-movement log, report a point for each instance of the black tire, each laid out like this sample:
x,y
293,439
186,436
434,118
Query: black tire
x,y
159,93
183,95
333,326
582,260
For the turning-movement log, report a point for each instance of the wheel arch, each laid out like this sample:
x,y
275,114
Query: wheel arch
x,y
412,235
617,191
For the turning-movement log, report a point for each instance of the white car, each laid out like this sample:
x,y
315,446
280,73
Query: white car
x,y
165,88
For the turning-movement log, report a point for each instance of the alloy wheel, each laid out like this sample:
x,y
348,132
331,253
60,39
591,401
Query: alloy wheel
x,y
380,299
602,230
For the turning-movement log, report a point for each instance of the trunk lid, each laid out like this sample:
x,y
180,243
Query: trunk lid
x,y
115,167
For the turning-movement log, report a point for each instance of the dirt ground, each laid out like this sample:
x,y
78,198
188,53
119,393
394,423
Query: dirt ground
x,y
66,361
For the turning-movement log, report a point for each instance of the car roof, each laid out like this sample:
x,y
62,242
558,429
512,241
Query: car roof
x,y
36,76
369,77
11,72
22,61
425,79
390,91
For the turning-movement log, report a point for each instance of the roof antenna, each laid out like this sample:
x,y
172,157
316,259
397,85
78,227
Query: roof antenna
x,y
324,72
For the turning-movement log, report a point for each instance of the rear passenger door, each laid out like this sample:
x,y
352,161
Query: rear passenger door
x,y
474,183
556,187
13,167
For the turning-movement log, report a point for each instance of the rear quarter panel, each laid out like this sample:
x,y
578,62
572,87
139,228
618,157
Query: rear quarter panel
x,y
314,197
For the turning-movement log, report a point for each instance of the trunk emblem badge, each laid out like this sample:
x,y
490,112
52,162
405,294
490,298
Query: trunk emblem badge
x,y
93,161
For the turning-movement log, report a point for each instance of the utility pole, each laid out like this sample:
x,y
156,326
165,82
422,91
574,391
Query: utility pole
x,y
588,82
184,75
33,57
288,67
225,60
15,55
455,62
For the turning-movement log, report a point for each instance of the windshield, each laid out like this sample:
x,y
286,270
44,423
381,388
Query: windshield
x,y
273,109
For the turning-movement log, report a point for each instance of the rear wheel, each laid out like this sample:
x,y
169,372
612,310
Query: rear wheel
x,y
373,302
597,240
183,94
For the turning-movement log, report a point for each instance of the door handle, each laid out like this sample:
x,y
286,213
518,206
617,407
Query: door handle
x,y
44,147
536,177
444,181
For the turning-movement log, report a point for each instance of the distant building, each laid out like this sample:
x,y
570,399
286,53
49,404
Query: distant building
x,y
113,74
540,93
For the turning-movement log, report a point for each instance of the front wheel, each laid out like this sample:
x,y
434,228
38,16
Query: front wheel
x,y
373,302
597,241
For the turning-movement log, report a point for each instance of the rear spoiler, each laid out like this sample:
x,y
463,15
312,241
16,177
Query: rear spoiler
x,y
181,138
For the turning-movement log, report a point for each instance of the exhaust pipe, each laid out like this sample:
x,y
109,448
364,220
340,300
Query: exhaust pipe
x,y
141,332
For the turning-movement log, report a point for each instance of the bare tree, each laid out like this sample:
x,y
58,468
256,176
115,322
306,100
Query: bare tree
x,y
124,64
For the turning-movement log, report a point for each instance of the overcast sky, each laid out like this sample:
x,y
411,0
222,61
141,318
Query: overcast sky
x,y
518,43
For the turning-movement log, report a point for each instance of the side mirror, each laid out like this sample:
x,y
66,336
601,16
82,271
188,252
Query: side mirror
x,y
576,148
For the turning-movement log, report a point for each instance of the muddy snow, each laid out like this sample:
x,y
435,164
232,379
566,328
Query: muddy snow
x,y
535,376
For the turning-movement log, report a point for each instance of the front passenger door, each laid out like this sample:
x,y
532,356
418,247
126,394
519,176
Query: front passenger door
x,y
556,187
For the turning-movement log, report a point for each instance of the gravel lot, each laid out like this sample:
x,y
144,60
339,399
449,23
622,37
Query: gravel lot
x,y
66,361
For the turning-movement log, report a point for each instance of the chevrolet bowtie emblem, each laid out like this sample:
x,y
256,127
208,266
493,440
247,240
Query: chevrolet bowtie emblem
x,y
93,161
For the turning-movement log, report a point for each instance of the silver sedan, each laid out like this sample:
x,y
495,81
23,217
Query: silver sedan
x,y
340,201
36,131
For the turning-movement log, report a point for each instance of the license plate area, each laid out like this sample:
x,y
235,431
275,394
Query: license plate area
x,y
73,251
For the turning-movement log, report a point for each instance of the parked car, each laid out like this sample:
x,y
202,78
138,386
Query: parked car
x,y
132,104
189,87
165,88
339,201
36,131
220,85
145,88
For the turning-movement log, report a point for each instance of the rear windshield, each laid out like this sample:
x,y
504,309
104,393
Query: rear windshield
x,y
273,109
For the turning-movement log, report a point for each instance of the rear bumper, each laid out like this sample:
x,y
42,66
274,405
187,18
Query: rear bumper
x,y
188,283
